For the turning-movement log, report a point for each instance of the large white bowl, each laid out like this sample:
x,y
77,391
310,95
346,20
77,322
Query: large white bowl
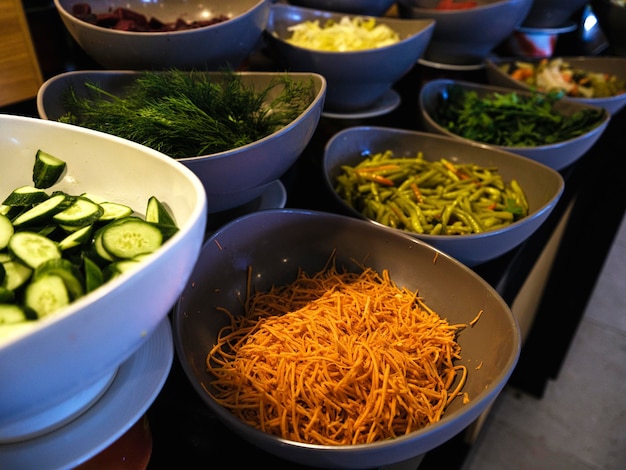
x,y
230,178
213,47
557,155
542,185
466,37
53,370
276,244
497,74
356,79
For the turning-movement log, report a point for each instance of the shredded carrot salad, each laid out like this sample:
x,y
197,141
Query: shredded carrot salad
x,y
337,358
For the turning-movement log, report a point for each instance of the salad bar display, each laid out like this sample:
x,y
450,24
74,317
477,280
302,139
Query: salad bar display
x,y
288,389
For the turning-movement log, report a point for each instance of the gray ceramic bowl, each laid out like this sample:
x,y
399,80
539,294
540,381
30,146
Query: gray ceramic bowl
x,y
230,178
361,7
552,13
611,17
558,155
208,48
543,186
276,243
466,37
356,79
497,67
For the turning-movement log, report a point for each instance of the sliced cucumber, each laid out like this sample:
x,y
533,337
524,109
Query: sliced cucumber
x,y
6,231
33,249
93,274
157,213
67,271
16,274
120,267
130,237
26,196
81,212
11,314
114,211
47,169
42,212
6,295
46,295
81,236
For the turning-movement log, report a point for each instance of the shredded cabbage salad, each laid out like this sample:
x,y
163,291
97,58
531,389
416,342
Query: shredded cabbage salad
x,y
349,34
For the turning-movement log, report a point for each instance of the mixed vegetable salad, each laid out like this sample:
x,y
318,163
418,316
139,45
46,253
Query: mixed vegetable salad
x,y
556,74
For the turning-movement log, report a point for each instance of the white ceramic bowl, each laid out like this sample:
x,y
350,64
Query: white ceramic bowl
x,y
361,7
356,79
276,243
466,36
63,361
233,177
543,186
212,47
556,155
497,73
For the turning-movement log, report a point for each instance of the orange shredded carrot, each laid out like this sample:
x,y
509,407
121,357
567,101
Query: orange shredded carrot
x,y
337,358
476,318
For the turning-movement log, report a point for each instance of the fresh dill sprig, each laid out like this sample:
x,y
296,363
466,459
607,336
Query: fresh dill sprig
x,y
187,114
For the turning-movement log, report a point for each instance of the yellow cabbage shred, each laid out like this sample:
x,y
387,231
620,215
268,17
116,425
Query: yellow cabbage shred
x,y
349,34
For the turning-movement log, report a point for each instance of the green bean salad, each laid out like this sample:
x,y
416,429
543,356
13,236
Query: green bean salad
x,y
431,197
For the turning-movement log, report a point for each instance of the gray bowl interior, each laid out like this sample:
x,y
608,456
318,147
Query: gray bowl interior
x,y
362,7
276,243
557,155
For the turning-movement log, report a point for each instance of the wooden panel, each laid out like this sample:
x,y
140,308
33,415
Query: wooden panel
x,y
20,74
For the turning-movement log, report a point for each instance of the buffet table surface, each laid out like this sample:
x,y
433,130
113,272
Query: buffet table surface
x,y
185,434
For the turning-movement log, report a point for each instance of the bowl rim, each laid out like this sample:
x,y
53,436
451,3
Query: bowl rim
x,y
67,15
500,89
538,212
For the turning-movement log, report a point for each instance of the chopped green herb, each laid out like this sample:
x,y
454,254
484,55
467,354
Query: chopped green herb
x,y
512,119
187,114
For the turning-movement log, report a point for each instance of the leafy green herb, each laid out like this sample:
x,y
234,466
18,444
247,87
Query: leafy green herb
x,y
187,114
511,119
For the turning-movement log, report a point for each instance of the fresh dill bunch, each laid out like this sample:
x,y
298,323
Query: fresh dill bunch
x,y
186,114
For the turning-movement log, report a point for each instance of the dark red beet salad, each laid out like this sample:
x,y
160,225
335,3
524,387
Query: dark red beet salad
x,y
124,19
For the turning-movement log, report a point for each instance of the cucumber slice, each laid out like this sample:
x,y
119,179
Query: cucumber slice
x,y
157,213
33,249
47,169
93,274
79,237
42,212
114,211
119,267
25,196
81,212
16,274
67,271
46,295
11,314
6,231
130,237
